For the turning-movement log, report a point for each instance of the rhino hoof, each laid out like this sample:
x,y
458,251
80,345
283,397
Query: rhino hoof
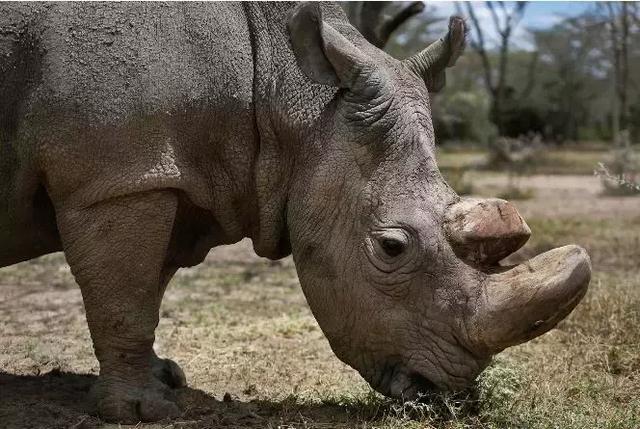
x,y
168,372
120,402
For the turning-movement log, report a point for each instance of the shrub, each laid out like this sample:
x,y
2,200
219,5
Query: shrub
x,y
515,154
463,116
622,176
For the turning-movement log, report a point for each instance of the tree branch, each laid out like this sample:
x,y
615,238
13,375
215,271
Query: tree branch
x,y
518,13
495,17
396,20
375,25
480,48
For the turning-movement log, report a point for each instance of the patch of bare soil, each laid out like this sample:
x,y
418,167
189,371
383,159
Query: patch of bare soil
x,y
563,196
59,400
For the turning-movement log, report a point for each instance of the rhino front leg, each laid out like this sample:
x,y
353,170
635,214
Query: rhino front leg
x,y
117,250
168,372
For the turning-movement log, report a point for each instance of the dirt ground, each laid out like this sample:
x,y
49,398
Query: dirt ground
x,y
255,357
557,197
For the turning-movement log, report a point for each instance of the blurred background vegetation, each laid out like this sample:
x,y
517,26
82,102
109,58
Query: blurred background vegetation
x,y
522,90
575,80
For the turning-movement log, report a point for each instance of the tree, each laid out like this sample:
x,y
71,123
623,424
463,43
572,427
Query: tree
x,y
573,76
618,22
378,20
505,20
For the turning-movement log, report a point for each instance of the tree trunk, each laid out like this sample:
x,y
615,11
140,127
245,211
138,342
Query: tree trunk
x,y
498,88
376,22
624,67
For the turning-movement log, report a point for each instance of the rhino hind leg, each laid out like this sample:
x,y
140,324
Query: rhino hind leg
x,y
117,252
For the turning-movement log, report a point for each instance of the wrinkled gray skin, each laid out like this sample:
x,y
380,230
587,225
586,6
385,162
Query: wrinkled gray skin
x,y
135,137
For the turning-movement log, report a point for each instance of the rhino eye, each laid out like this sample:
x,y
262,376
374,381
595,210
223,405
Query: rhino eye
x,y
390,249
392,246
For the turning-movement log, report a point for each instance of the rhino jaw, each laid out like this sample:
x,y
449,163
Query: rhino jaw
x,y
529,299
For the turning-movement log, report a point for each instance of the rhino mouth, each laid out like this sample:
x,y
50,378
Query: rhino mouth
x,y
420,385
399,382
409,385
409,381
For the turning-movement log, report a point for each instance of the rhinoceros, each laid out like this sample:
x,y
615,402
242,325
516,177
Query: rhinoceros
x,y
136,137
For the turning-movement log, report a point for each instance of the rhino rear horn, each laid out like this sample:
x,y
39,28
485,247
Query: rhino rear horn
x,y
484,231
430,64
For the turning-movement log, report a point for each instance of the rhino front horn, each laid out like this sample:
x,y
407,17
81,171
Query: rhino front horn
x,y
529,299
484,231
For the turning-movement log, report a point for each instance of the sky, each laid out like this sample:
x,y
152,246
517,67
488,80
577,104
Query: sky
x,y
538,15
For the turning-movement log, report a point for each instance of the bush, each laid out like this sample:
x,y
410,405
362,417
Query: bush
x,y
463,116
517,157
622,176
515,154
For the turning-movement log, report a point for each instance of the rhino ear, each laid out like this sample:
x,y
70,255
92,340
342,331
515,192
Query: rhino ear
x,y
324,55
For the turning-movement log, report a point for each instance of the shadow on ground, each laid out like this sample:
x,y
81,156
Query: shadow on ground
x,y
60,400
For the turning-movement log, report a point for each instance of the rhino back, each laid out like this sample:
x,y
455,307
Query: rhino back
x,y
112,99
117,59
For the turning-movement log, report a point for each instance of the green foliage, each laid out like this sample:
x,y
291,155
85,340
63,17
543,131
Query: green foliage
x,y
562,88
463,116
574,82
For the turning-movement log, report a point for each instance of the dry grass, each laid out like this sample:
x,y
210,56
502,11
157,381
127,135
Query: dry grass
x,y
240,325
564,161
551,160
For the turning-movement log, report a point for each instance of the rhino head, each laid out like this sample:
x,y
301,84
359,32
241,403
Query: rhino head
x,y
400,272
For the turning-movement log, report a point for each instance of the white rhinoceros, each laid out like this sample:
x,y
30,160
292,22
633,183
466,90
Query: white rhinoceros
x,y
137,136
